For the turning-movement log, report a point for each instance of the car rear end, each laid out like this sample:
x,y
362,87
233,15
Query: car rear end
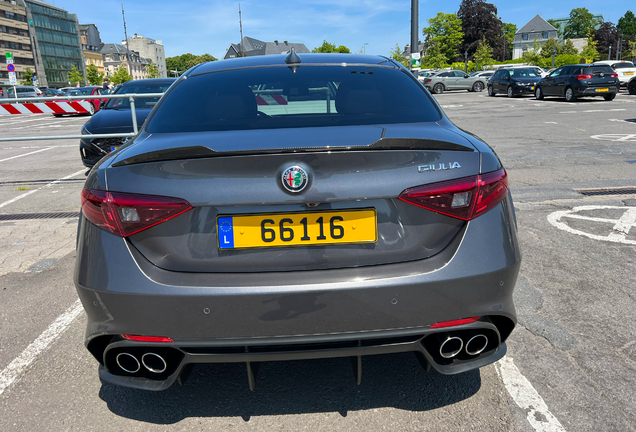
x,y
348,218
595,80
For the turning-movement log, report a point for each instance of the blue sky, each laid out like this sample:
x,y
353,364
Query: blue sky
x,y
210,26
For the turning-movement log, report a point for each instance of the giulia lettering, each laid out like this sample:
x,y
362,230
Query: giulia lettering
x,y
438,167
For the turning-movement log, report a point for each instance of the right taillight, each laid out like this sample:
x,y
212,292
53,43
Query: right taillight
x,y
125,214
428,80
583,77
465,198
614,75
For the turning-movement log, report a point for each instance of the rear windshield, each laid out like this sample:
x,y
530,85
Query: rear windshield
x,y
78,92
523,73
139,102
276,97
595,70
623,65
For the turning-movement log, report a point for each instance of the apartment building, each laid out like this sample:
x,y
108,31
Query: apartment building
x,y
15,38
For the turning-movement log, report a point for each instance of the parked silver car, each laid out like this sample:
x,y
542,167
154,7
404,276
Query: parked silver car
x,y
22,91
454,80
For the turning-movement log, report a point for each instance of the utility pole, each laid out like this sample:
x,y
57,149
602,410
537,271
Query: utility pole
x,y
241,29
465,61
553,55
415,37
126,35
618,46
609,56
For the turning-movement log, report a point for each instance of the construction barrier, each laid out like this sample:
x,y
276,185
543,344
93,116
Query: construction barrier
x,y
62,107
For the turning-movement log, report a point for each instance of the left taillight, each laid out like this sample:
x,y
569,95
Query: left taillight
x,y
465,198
127,214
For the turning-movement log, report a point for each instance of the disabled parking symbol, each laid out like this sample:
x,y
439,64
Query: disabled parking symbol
x,y
605,223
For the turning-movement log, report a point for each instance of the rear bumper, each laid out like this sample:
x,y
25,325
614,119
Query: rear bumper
x,y
475,275
591,91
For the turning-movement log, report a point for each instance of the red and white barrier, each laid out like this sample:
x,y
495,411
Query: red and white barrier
x,y
271,100
70,107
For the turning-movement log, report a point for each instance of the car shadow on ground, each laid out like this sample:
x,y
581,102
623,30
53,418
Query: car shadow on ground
x,y
295,387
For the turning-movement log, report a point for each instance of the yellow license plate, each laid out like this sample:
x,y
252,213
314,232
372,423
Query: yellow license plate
x,y
531,88
297,229
628,73
602,90
113,148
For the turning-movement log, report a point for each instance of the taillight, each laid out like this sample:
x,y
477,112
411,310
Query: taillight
x,y
584,77
147,338
455,322
126,214
614,75
428,80
465,198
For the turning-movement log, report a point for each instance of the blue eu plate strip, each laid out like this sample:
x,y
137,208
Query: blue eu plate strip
x,y
226,232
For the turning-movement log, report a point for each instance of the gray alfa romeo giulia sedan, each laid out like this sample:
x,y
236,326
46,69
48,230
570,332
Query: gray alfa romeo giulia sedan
x,y
295,207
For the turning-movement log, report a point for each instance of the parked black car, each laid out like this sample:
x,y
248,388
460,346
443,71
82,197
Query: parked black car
x,y
513,81
115,117
583,80
631,86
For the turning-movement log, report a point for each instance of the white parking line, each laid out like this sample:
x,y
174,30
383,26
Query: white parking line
x,y
19,366
26,154
527,398
48,185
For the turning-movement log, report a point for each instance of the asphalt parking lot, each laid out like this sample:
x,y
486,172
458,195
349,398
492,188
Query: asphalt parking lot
x,y
571,362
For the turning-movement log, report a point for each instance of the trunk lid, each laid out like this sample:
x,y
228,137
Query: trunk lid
x,y
232,179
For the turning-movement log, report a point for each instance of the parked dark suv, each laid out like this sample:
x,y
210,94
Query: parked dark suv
x,y
513,81
575,81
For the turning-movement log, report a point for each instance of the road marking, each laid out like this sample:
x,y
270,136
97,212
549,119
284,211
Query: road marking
x,y
551,123
26,154
620,228
38,147
526,397
592,111
19,366
615,137
48,185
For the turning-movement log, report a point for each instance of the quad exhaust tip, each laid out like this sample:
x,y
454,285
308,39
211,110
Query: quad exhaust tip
x,y
154,362
451,346
476,344
128,362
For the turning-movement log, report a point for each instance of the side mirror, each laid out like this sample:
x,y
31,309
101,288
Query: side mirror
x,y
102,103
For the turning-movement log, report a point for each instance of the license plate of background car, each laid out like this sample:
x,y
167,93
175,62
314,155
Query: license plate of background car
x,y
531,88
602,90
297,229
628,73
113,148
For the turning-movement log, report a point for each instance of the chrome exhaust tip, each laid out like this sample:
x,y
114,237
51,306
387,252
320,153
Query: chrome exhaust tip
x,y
128,362
476,344
154,362
451,346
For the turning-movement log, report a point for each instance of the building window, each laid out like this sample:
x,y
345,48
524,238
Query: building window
x,y
524,49
545,35
524,37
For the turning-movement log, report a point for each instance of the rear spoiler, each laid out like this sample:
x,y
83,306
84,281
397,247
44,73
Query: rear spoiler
x,y
197,152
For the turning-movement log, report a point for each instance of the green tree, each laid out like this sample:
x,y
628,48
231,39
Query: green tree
x,y
568,48
396,54
152,71
533,56
483,55
509,34
589,52
627,24
121,75
480,20
327,47
93,76
566,59
179,63
581,23
445,31
434,58
191,62
550,46
75,77
27,77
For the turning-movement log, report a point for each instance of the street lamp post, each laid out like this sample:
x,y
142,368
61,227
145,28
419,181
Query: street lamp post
x,y
553,55
465,61
364,47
